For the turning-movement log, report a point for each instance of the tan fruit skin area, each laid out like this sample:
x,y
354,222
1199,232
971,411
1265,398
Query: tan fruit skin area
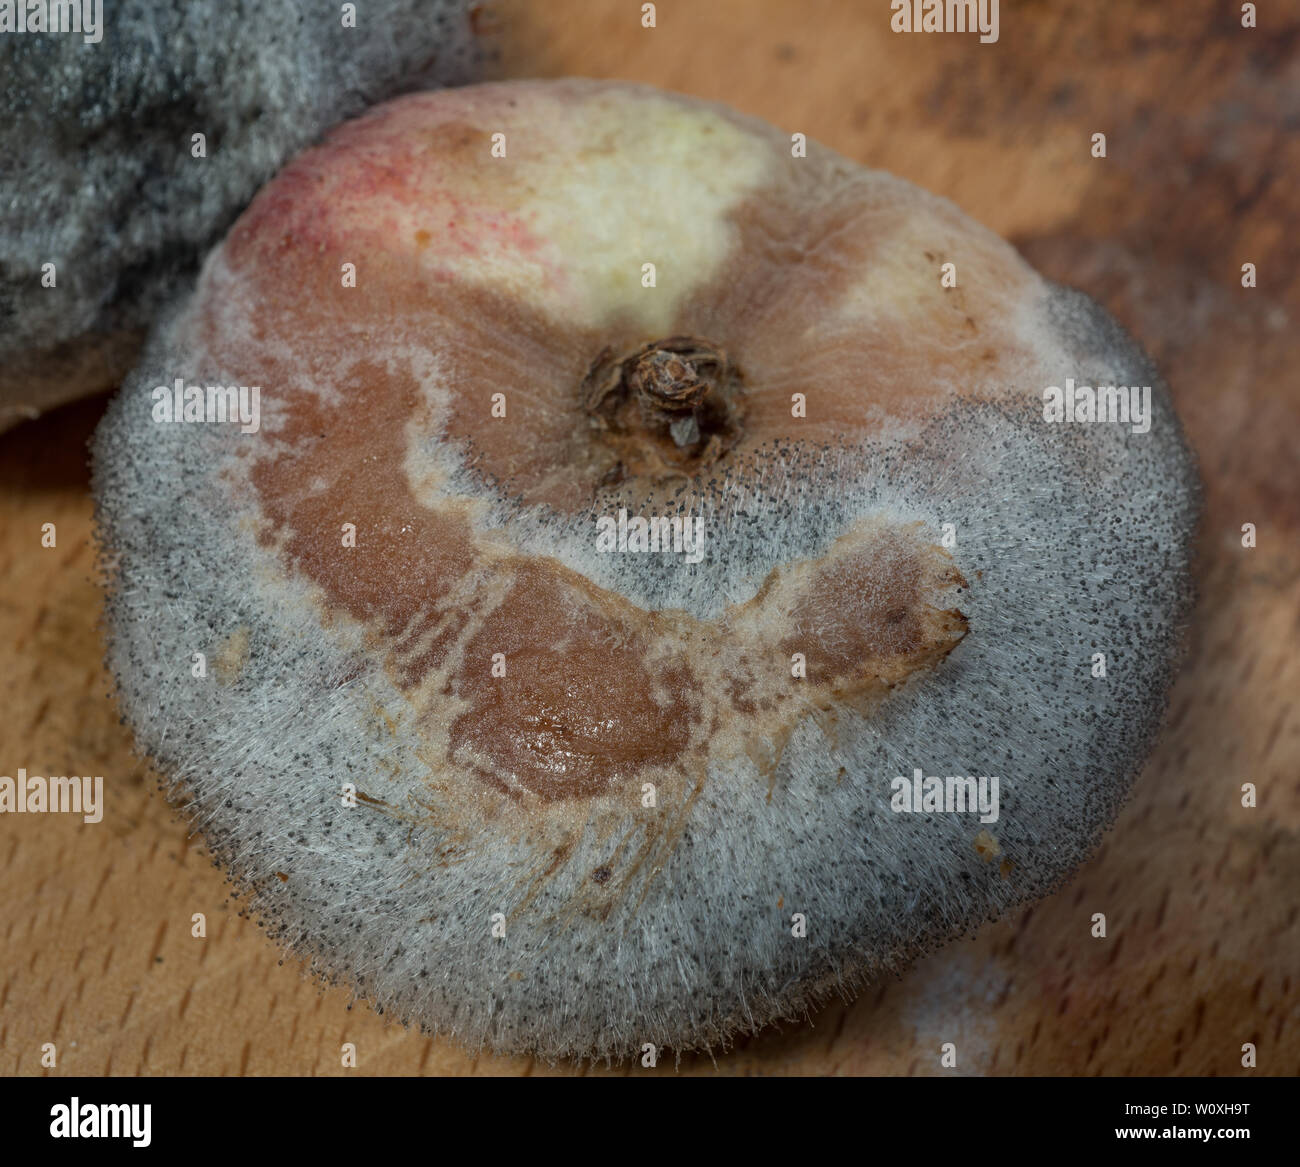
x,y
478,285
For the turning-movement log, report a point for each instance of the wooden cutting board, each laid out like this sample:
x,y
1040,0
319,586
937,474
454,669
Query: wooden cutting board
x,y
1203,948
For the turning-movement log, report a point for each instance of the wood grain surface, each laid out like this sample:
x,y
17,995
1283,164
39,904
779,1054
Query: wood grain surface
x,y
1201,894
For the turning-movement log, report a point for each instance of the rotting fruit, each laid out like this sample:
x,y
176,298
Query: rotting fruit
x,y
546,793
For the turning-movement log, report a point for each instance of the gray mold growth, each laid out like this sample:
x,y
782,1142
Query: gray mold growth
x,y
96,172
1079,538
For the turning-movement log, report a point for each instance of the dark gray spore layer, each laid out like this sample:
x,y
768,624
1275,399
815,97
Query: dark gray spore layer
x,y
96,172
1075,539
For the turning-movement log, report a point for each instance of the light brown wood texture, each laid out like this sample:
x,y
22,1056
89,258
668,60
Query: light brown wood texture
x,y
1200,893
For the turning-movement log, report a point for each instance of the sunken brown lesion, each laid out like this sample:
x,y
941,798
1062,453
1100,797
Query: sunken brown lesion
x,y
598,692
580,707
865,621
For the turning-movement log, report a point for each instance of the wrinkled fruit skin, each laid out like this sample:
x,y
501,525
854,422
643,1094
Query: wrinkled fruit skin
x,y
650,791
99,176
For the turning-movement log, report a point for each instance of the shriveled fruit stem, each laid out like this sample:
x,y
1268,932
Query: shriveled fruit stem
x,y
679,383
